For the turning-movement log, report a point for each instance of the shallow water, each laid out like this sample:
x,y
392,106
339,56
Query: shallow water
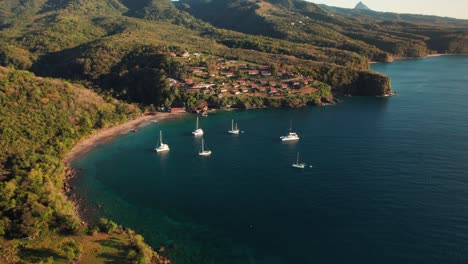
x,y
389,182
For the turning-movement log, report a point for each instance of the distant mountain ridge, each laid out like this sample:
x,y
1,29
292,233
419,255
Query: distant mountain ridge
x,y
390,16
361,6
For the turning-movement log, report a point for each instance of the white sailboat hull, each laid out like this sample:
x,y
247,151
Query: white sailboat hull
x,y
298,166
236,132
205,153
162,148
198,132
289,138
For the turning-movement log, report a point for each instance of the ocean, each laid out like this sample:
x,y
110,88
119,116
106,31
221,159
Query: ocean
x,y
386,179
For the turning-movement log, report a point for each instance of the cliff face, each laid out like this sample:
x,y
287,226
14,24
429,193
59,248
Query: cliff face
x,y
370,83
363,83
366,83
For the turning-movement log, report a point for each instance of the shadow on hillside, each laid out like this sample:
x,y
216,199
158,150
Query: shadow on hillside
x,y
109,255
35,255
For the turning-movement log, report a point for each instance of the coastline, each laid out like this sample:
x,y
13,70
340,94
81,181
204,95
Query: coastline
x,y
424,57
104,135
88,143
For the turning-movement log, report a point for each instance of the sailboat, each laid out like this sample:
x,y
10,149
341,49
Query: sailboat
x,y
291,135
204,152
234,129
198,131
297,164
161,146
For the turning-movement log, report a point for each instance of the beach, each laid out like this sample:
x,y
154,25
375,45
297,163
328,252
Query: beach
x,y
106,134
99,137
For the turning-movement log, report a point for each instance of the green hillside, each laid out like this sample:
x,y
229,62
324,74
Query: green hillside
x,y
71,67
303,22
40,120
73,29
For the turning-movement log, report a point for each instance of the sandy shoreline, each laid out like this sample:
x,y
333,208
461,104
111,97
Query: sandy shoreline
x,y
104,135
83,211
425,57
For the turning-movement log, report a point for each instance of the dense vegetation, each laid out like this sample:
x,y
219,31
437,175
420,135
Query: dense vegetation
x,y
120,50
40,120
371,36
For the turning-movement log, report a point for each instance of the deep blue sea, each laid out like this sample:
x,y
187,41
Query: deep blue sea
x,y
388,183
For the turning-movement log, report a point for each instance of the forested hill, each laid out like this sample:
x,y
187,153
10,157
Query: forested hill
x,y
97,41
40,120
305,22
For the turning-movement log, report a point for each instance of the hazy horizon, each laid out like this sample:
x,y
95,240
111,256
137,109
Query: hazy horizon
x,y
456,8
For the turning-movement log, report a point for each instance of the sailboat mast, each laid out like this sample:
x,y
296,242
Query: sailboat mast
x,y
160,137
290,125
232,124
197,123
202,145
297,162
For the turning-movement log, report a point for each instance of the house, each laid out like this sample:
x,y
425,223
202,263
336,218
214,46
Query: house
x,y
241,82
253,72
177,109
264,67
223,89
235,85
296,83
262,89
242,66
185,54
266,73
279,74
197,69
203,85
172,82
272,84
228,74
273,90
189,82
284,85
245,90
263,82
191,90
253,86
235,92
172,54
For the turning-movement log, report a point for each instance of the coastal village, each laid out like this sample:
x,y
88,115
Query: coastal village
x,y
227,78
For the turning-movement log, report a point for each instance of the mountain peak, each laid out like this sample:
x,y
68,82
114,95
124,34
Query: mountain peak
x,y
361,6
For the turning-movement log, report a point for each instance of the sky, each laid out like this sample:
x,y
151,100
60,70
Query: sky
x,y
450,8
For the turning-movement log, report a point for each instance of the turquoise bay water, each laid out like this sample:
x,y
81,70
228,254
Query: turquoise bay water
x,y
389,182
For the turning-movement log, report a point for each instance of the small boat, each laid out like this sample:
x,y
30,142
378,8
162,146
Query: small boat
x,y
204,152
161,146
198,131
297,164
234,129
389,94
292,136
204,114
